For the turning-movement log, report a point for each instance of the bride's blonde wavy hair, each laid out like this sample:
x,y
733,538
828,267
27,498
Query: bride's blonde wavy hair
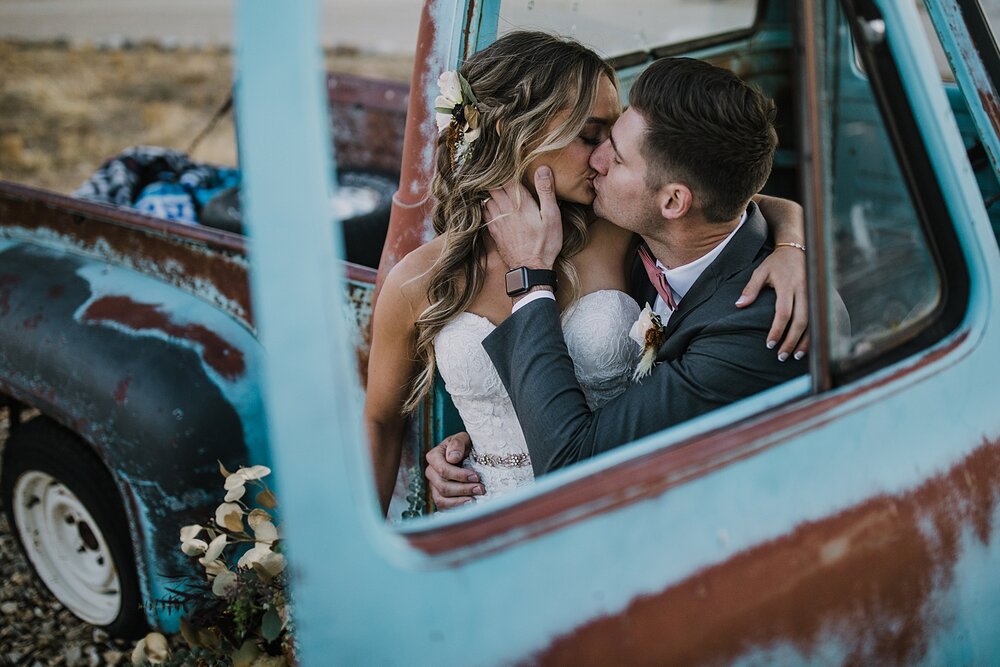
x,y
521,81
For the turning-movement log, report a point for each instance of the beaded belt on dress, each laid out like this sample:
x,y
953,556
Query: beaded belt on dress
x,y
496,461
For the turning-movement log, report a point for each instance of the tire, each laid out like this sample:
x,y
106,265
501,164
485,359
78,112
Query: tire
x,y
364,202
365,230
65,511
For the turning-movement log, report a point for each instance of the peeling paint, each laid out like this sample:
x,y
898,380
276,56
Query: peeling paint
x,y
205,263
120,310
6,282
865,578
121,390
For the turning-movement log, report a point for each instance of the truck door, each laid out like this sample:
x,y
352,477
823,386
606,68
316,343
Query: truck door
x,y
847,516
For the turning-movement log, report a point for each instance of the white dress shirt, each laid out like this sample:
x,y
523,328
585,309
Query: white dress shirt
x,y
681,278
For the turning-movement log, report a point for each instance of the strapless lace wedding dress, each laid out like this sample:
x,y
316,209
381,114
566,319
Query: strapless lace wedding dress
x,y
596,330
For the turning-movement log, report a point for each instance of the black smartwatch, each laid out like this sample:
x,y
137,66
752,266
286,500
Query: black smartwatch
x,y
522,279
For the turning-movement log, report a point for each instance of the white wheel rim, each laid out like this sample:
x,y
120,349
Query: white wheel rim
x,y
66,547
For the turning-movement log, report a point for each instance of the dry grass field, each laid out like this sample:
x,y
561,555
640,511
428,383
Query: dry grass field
x,y
64,110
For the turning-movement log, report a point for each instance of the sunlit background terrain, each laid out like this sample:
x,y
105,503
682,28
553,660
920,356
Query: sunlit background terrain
x,y
80,80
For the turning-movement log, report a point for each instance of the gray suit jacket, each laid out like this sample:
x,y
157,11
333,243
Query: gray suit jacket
x,y
714,354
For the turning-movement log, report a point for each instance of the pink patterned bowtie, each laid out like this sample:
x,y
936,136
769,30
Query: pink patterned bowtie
x,y
657,278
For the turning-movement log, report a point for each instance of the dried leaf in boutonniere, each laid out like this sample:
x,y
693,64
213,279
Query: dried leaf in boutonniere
x,y
647,332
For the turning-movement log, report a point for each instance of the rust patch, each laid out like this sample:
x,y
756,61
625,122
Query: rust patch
x,y
56,291
368,118
225,359
865,577
992,109
190,257
121,390
7,281
32,322
990,106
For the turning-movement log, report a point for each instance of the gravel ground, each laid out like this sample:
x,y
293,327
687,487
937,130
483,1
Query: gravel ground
x,y
35,629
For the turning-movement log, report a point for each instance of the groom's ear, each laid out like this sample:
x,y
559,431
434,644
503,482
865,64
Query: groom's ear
x,y
674,200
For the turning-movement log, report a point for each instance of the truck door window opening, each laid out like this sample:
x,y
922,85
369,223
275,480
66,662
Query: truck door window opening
x,y
880,257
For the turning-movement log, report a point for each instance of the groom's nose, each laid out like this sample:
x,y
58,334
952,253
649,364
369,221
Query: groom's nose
x,y
599,158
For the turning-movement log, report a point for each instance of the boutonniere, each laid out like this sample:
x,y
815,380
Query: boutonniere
x,y
647,332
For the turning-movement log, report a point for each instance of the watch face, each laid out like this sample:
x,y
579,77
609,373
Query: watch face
x,y
516,281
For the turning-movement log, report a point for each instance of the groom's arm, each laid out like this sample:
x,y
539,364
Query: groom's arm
x,y
726,361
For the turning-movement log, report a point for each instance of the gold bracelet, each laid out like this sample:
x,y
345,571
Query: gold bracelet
x,y
790,245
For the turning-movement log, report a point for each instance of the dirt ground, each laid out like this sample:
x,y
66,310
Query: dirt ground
x,y
65,109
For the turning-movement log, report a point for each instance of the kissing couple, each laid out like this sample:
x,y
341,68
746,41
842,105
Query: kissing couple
x,y
558,217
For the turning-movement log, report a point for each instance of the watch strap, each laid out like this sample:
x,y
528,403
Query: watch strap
x,y
521,279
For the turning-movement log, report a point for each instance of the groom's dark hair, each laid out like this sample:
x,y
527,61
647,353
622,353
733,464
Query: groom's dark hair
x,y
708,129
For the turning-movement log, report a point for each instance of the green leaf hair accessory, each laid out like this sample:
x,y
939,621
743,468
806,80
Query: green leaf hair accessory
x,y
458,113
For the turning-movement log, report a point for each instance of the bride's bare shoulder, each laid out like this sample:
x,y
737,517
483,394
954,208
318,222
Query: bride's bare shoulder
x,y
410,277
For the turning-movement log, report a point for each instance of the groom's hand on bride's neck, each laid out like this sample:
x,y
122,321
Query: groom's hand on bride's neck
x,y
451,484
526,232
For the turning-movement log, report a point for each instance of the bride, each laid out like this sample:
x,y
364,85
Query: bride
x,y
526,100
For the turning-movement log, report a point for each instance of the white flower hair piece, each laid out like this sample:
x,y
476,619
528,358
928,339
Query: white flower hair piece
x,y
456,108
647,332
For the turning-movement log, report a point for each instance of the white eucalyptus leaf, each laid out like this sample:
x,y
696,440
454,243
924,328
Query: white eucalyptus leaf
x,y
224,583
188,533
229,515
235,493
214,550
194,547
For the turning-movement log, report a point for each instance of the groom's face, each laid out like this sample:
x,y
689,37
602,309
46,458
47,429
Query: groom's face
x,y
621,194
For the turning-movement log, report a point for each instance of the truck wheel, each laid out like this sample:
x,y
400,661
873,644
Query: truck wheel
x,y
364,207
64,509
363,203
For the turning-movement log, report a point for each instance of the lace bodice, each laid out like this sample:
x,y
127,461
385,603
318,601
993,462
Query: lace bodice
x,y
596,331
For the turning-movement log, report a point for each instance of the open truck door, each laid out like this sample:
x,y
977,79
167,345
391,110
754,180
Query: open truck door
x,y
849,516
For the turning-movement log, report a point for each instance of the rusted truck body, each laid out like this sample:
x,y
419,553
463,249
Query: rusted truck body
x,y
134,338
847,517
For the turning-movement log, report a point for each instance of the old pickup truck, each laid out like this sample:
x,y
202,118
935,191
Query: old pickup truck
x,y
131,343
848,516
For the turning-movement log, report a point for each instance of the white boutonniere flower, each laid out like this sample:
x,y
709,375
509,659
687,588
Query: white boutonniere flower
x,y
647,332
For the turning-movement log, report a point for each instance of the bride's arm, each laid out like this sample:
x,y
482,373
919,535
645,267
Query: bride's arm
x,y
390,371
785,271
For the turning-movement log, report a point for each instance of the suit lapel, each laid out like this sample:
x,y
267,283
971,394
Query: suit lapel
x,y
737,255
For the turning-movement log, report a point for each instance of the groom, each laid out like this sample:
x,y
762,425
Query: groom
x,y
679,169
